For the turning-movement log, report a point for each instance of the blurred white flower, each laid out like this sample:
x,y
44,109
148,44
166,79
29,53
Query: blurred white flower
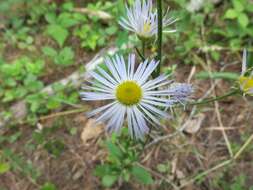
x,y
143,20
246,82
134,96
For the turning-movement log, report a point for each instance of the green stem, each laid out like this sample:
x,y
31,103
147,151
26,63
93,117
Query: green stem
x,y
159,39
139,53
143,47
209,100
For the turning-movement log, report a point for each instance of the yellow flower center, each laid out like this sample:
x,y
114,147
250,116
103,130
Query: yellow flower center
x,y
129,93
146,28
246,83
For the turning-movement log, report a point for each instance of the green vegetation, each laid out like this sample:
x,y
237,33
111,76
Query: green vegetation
x,y
43,42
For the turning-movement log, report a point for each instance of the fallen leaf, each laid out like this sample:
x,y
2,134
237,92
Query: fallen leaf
x,y
91,130
193,125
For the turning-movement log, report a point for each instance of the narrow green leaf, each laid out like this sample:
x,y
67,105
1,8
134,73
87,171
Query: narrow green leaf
x,y
217,75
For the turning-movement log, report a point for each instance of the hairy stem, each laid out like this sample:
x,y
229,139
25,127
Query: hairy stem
x,y
209,100
143,47
159,39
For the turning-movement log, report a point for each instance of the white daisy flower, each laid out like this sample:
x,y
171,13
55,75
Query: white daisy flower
x,y
133,96
142,20
246,82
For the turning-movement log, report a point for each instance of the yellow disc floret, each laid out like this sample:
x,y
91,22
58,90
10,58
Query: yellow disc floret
x,y
129,93
146,28
145,33
246,83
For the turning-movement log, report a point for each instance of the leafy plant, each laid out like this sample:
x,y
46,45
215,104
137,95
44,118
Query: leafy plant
x,y
21,37
18,163
64,57
94,38
238,183
121,162
59,25
53,145
239,12
16,83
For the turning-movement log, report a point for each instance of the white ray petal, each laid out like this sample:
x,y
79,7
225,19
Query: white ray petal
x,y
244,62
112,69
102,80
96,96
108,113
117,120
101,109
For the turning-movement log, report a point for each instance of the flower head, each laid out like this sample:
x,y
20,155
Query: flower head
x,y
180,92
246,81
134,97
142,20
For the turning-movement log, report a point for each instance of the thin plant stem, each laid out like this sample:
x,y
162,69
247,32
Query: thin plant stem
x,y
159,38
143,47
245,145
221,165
139,53
210,100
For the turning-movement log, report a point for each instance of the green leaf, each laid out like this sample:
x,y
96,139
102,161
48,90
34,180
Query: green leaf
x,y
102,170
48,186
65,57
217,75
55,147
50,18
114,150
53,103
4,167
73,131
122,38
111,30
231,14
141,175
126,175
109,180
162,168
68,6
238,5
12,70
243,20
32,84
49,51
249,7
36,67
13,138
10,82
66,20
58,33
